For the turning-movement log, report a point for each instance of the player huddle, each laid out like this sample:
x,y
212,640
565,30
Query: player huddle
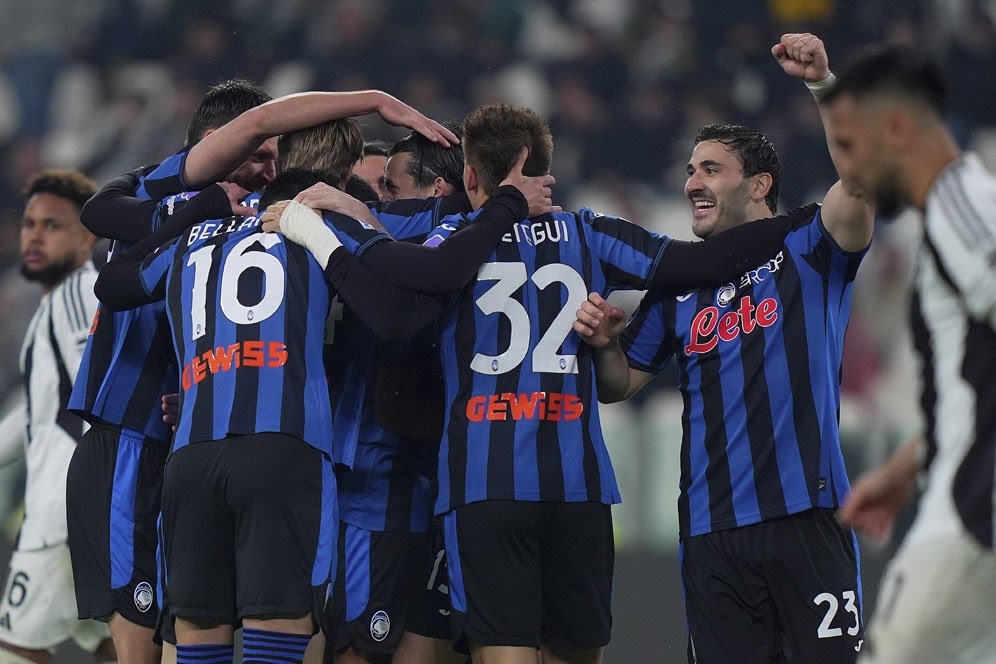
x,y
386,413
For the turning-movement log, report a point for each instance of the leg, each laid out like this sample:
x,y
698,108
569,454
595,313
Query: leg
x,y
194,631
558,656
315,654
418,649
11,654
169,653
107,652
134,643
503,655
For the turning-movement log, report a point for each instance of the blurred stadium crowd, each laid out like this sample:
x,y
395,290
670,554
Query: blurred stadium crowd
x,y
106,85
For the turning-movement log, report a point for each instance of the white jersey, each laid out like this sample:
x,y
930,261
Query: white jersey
x,y
953,314
50,358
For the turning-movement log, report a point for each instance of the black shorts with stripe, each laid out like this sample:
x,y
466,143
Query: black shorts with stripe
x,y
113,490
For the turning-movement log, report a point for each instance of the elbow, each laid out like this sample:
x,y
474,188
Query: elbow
x,y
91,214
106,292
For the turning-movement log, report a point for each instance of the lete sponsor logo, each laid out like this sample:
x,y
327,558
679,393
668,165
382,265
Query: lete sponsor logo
x,y
709,327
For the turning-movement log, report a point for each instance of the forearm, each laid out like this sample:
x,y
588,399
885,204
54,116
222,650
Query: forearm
x,y
223,150
612,373
447,267
689,266
119,285
115,213
905,462
392,313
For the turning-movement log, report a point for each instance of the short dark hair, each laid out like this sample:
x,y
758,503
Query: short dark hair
x,y
360,189
494,134
430,160
376,148
69,184
892,69
754,150
289,184
223,103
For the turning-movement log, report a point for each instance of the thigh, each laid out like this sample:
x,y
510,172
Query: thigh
x,y
381,574
494,556
281,493
198,537
578,554
728,609
936,604
38,610
811,565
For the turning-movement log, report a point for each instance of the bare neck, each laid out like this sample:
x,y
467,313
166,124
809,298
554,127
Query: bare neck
x,y
934,152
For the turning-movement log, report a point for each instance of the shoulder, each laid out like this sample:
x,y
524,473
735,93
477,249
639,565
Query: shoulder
x,y
73,300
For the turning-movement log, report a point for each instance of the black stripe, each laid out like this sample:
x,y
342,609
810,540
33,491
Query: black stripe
x,y
973,483
942,269
69,423
82,315
636,237
923,343
958,220
717,473
101,352
144,403
809,437
458,428
26,373
549,455
592,471
245,408
297,299
501,469
760,427
72,318
685,459
402,482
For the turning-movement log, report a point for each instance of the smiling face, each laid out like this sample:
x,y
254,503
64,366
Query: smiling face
x,y
719,194
259,169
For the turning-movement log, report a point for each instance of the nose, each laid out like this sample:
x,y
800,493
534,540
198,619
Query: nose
x,y
693,183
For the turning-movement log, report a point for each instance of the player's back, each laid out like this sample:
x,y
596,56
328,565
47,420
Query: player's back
x,y
247,311
522,420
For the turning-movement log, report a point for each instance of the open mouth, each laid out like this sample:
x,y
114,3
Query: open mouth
x,y
701,206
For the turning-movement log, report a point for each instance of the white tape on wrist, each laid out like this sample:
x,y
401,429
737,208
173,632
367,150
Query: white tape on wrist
x,y
820,88
302,225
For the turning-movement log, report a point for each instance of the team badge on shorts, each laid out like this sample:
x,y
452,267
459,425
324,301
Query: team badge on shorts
x,y
380,626
143,596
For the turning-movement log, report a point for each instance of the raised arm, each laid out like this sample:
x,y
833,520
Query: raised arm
x,y
847,215
221,151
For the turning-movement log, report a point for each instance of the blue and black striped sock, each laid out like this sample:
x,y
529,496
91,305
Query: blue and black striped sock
x,y
260,645
205,653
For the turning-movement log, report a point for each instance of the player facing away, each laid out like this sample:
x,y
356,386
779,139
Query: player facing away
x,y
38,609
938,596
524,477
115,477
767,570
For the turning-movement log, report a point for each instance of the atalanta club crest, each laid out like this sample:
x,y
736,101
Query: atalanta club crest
x,y
726,295
143,596
380,626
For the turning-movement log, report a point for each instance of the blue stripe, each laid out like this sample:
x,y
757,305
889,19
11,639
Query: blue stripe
x,y
403,227
357,571
454,566
324,570
189,350
122,518
731,379
451,380
317,421
700,520
269,398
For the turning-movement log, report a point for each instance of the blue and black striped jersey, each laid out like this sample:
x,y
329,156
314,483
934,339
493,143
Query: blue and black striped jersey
x,y
128,363
759,364
247,312
383,479
522,409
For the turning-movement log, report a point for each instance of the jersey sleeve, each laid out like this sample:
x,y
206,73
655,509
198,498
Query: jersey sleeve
x,y
814,244
73,306
354,235
646,340
155,269
412,219
166,179
628,253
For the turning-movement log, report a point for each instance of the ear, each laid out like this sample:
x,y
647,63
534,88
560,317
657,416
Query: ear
x,y
441,187
899,127
471,182
762,185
